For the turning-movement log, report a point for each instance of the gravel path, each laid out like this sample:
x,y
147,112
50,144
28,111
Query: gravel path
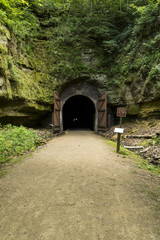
x,y
77,188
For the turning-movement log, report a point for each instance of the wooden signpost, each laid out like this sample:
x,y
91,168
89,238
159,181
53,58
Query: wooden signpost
x,y
121,112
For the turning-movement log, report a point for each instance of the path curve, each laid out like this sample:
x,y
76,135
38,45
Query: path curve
x,y
78,188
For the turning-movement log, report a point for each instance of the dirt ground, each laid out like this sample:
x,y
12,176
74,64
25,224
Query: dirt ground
x,y
77,188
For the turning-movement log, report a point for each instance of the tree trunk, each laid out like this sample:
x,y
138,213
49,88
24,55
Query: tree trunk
x,y
91,6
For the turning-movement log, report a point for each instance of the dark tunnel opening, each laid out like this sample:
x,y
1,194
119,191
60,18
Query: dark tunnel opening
x,y
78,113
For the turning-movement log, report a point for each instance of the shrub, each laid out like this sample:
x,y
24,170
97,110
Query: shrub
x,y
15,141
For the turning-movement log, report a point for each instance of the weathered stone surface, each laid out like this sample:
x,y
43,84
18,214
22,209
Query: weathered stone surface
x,y
150,108
114,98
20,112
133,109
100,80
88,58
1,92
128,95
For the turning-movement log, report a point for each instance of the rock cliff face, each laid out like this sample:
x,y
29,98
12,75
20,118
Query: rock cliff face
x,y
27,82
26,87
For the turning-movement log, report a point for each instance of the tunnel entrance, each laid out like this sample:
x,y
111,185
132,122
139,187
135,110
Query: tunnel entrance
x,y
78,113
79,106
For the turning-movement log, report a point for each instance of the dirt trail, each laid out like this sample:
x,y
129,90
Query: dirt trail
x,y
78,188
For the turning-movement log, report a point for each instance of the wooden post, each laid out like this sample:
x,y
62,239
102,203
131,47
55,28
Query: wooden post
x,y
121,112
120,122
118,141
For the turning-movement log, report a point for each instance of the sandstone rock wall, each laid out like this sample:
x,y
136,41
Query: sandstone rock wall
x,y
27,83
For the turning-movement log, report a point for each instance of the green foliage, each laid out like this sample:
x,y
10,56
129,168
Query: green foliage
x,y
122,34
148,17
154,74
154,169
10,62
15,141
155,140
19,18
3,49
110,46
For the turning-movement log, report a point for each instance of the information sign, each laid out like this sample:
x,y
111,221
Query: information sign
x,y
121,112
119,130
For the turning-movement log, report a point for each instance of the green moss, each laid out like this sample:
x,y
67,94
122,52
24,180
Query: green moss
x,y
10,62
24,61
150,108
3,48
35,87
154,73
4,31
133,110
9,89
3,64
40,107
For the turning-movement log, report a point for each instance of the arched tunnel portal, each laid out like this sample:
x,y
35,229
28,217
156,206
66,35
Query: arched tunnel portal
x,y
79,113
80,106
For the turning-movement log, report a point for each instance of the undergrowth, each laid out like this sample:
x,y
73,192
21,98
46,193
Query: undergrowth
x,y
15,141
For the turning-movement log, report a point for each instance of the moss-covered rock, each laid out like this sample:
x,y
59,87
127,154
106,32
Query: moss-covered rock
x,y
133,109
26,87
148,109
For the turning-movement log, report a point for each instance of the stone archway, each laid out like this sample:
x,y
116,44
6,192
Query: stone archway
x,y
75,99
82,94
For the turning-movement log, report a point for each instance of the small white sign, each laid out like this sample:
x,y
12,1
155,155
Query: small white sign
x,y
119,130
